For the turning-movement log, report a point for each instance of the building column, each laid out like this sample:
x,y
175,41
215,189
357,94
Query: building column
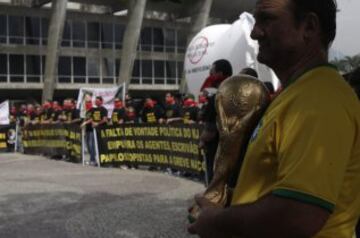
x,y
55,33
131,39
199,20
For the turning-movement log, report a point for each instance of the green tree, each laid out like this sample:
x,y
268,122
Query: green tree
x,y
347,64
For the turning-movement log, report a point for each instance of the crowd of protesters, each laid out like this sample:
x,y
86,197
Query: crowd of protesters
x,y
176,109
47,113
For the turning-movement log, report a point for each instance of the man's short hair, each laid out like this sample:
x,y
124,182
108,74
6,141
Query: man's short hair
x,y
99,98
223,66
326,12
249,71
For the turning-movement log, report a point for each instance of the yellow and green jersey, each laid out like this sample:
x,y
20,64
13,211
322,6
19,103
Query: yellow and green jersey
x,y
307,148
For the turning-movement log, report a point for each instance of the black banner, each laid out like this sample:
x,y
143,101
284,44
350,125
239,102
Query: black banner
x,y
174,146
7,138
53,140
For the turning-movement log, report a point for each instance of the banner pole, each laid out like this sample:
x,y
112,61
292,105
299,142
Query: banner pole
x,y
16,137
96,148
82,145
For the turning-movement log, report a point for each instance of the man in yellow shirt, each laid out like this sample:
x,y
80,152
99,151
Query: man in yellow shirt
x,y
301,172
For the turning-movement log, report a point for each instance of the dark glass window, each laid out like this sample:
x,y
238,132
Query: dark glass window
x,y
181,40
3,29
16,29
171,69
119,34
64,69
16,68
158,39
136,69
170,40
33,68
3,65
146,39
159,69
79,64
93,34
64,66
107,35
33,65
180,66
32,30
93,67
78,34
108,70
146,66
44,30
117,67
16,64
43,58
66,39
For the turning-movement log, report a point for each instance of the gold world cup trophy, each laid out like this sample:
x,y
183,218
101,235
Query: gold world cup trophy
x,y
240,103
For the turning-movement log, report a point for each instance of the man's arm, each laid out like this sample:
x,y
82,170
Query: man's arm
x,y
271,216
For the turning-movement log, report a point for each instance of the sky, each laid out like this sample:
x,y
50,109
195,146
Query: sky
x,y
347,39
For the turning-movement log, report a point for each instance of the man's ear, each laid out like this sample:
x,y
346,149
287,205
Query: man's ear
x,y
311,26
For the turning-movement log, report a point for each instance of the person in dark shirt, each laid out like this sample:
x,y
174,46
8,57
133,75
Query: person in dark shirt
x,y
70,114
190,111
95,117
46,113
118,114
220,70
22,115
203,101
38,115
74,114
151,113
173,112
30,114
13,115
99,113
130,115
56,112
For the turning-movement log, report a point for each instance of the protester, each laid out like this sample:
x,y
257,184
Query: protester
x,y
89,133
56,112
99,113
152,112
95,116
190,111
46,112
130,115
13,115
118,114
220,70
173,113
301,172
249,71
38,115
203,102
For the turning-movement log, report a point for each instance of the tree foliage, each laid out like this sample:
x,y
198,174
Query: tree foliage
x,y
347,64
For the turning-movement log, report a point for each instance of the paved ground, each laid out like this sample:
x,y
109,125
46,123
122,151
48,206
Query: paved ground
x,y
46,198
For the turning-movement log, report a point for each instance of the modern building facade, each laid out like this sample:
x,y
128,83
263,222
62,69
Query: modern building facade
x,y
89,53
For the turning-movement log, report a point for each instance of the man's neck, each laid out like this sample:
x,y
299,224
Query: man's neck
x,y
307,61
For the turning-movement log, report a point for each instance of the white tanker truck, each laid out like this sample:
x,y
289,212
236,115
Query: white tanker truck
x,y
224,41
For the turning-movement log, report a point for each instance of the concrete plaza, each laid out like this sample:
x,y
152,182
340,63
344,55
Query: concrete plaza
x,y
40,197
